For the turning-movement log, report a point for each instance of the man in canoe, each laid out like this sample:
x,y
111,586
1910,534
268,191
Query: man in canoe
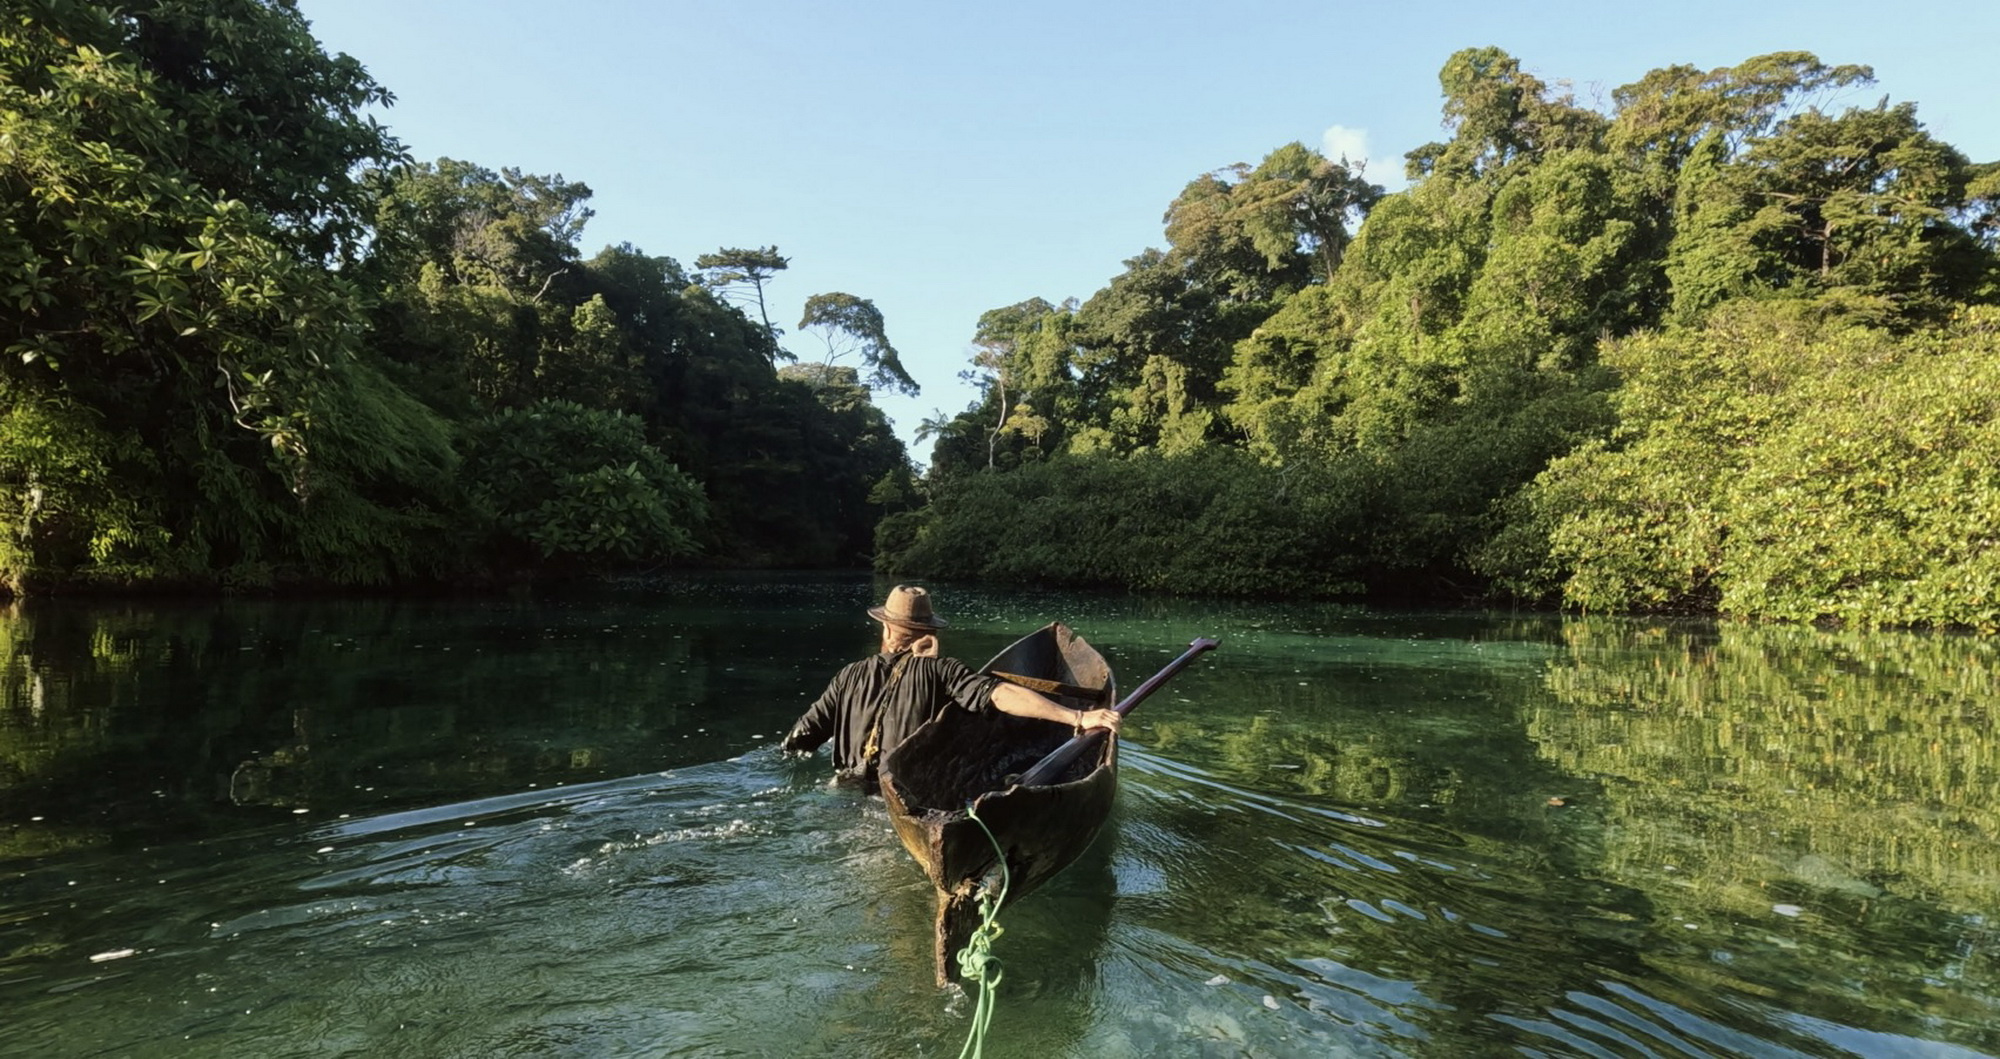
x,y
871,705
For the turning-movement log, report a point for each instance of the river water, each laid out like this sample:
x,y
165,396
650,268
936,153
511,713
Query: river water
x,y
560,827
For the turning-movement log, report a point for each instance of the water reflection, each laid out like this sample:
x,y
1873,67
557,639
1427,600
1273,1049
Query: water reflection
x,y
1872,757
541,826
1802,791
161,713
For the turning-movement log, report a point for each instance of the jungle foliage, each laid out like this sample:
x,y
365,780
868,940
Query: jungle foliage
x,y
248,341
1728,344
1724,344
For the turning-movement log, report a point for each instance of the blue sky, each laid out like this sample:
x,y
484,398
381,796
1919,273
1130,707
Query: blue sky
x,y
943,159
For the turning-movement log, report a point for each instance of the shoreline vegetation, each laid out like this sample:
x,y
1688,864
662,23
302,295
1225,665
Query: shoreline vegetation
x,y
1729,345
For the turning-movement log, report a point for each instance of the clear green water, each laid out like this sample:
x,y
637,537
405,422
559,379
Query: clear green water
x,y
560,828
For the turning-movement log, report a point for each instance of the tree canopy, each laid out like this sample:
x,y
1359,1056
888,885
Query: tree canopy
x,y
1527,373
1722,343
249,343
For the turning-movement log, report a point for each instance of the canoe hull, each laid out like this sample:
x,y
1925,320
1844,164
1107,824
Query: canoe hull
x,y
960,759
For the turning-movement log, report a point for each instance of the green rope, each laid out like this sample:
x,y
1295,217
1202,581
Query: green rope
x,y
976,961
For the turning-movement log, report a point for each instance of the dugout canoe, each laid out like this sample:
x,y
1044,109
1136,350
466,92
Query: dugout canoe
x,y
958,759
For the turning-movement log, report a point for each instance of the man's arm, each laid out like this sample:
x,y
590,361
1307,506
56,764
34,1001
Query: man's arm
x,y
816,726
1019,701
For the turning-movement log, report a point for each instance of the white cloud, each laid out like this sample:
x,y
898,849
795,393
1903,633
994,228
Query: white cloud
x,y
1339,141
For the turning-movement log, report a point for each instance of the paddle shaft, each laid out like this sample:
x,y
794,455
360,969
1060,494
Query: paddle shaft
x,y
1052,766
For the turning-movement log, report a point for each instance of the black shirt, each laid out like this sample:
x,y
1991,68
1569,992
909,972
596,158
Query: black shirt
x,y
847,711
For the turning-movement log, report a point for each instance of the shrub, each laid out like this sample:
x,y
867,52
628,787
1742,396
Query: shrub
x,y
580,485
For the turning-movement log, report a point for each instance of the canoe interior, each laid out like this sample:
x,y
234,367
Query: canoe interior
x,y
960,759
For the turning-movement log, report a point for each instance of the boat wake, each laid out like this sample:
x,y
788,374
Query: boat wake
x,y
1288,927
745,907
683,913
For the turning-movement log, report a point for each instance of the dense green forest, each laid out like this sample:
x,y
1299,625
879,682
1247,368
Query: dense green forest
x,y
1731,346
250,343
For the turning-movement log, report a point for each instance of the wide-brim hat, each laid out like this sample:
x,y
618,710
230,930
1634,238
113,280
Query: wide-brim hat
x,y
908,605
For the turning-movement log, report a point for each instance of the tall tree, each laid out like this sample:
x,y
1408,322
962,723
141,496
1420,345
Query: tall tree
x,y
730,269
1662,116
996,342
1207,231
1297,199
1500,114
270,118
1866,207
1151,350
507,228
483,285
851,326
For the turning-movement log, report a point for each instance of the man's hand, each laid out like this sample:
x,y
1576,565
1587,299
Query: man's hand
x,y
1108,719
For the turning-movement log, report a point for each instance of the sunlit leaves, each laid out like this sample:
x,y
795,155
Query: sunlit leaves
x,y
1770,465
1212,521
1499,115
61,494
155,288
1457,347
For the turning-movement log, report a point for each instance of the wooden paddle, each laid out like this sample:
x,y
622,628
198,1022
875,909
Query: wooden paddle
x,y
1052,766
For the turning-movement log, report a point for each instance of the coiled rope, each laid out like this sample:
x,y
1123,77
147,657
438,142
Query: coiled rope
x,y
976,961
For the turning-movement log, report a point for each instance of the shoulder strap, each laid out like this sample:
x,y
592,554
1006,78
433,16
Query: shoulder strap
x,y
874,743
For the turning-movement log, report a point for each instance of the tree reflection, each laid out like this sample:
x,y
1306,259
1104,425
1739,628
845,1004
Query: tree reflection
x,y
1751,828
154,715
1871,754
1799,787
1373,823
